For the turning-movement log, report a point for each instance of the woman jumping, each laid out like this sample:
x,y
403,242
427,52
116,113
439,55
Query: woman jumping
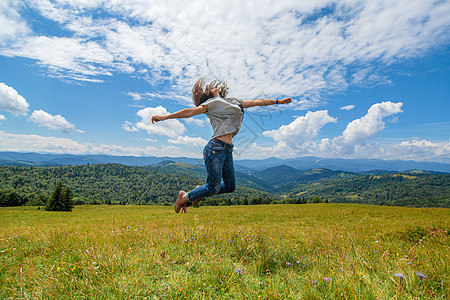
x,y
225,115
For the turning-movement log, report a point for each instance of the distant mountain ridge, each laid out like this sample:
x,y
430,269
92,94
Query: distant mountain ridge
x,y
245,166
8,158
349,165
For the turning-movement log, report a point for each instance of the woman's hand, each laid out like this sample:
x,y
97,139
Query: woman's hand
x,y
285,101
157,118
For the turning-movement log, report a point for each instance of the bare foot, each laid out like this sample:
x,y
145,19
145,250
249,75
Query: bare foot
x,y
181,202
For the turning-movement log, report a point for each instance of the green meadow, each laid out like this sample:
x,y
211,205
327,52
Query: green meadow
x,y
311,251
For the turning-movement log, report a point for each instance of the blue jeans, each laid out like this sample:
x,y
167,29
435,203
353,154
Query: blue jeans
x,y
218,157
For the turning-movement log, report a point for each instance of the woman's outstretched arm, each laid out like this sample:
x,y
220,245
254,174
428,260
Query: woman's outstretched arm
x,y
265,102
184,113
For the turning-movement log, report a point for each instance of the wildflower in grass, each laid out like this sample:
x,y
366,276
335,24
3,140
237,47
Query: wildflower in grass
x,y
288,264
239,271
327,279
421,276
58,269
314,282
399,275
298,262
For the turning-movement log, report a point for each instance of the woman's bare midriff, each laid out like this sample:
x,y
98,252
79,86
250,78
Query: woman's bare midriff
x,y
227,138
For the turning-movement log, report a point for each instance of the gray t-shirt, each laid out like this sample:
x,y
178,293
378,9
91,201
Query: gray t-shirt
x,y
225,115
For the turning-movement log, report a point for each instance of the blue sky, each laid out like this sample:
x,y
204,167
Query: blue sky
x,y
369,79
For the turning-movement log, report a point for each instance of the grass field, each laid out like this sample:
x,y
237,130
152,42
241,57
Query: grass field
x,y
312,251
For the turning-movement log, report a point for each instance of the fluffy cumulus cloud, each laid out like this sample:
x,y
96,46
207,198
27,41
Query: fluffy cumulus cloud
x,y
189,141
301,130
11,101
57,122
422,149
171,128
299,137
359,130
297,48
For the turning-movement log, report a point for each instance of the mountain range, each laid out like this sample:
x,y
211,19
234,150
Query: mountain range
x,y
100,179
369,166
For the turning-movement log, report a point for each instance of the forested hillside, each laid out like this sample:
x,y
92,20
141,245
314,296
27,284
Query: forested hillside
x,y
160,184
421,190
103,183
284,179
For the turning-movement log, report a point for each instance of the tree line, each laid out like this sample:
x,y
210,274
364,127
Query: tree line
x,y
101,184
119,184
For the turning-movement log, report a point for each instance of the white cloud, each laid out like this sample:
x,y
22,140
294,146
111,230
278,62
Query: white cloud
x,y
171,128
11,101
368,77
135,96
128,126
423,150
57,122
189,141
2,118
12,25
296,48
74,58
299,137
197,122
359,130
348,107
36,143
302,129
171,95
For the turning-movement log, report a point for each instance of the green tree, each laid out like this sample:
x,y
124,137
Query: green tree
x,y
61,199
67,199
10,197
316,199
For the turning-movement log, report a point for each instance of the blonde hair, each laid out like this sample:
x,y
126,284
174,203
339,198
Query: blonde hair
x,y
201,93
